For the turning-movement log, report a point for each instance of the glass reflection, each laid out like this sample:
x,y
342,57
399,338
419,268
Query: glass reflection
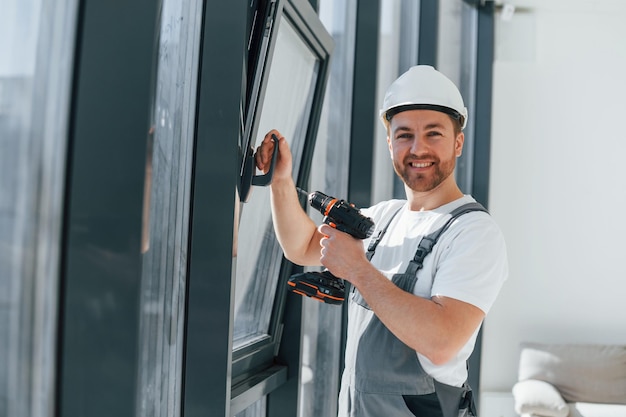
x,y
166,211
36,52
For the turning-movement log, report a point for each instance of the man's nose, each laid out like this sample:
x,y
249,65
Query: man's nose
x,y
418,145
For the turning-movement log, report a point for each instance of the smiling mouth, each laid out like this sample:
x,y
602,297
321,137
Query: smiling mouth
x,y
421,164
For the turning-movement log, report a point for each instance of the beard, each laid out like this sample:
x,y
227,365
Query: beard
x,y
427,181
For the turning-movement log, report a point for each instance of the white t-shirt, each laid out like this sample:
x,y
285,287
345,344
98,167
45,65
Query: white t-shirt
x,y
469,263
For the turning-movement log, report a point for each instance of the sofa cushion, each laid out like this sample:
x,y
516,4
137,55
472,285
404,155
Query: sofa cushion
x,y
539,398
596,410
581,373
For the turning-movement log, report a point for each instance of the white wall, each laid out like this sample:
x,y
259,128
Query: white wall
x,y
558,179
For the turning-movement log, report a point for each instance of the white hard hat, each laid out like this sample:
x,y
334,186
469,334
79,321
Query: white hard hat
x,y
423,87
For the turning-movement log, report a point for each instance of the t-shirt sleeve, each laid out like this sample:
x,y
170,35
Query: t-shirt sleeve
x,y
472,264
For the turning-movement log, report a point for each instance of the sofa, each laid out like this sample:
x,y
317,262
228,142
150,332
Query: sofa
x,y
571,380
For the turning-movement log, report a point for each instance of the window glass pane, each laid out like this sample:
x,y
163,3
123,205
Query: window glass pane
x,y
286,106
392,48
321,348
36,49
166,210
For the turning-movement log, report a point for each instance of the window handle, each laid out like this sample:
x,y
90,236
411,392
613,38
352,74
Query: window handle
x,y
248,179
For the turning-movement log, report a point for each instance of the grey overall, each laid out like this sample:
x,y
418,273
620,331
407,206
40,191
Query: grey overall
x,y
390,381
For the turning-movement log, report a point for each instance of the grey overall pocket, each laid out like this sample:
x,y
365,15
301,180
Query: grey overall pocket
x,y
446,401
356,296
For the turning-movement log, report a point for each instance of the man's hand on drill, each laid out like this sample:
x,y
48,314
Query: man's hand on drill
x,y
341,253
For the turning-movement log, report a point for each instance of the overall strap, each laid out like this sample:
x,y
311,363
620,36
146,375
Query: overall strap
x,y
428,242
374,242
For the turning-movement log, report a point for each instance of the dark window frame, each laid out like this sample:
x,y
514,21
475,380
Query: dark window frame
x,y
297,12
212,369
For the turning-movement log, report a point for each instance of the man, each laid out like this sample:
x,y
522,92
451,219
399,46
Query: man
x,y
411,329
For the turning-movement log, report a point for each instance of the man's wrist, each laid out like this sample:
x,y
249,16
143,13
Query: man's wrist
x,y
359,274
283,184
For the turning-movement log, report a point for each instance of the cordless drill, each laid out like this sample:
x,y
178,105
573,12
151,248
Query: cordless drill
x,y
324,286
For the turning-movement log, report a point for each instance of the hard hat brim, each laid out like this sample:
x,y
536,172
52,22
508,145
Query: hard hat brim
x,y
388,115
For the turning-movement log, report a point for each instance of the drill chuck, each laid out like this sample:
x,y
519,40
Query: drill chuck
x,y
342,215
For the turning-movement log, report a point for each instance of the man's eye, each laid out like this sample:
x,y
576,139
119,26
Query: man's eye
x,y
404,136
434,133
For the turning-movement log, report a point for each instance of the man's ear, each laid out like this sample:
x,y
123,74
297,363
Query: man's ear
x,y
458,144
389,144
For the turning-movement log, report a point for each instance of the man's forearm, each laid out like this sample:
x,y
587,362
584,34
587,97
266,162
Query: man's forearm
x,y
296,232
437,328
